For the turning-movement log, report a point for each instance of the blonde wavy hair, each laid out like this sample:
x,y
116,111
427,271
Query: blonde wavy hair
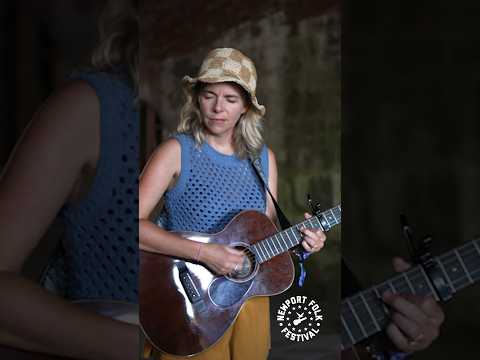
x,y
247,135
118,38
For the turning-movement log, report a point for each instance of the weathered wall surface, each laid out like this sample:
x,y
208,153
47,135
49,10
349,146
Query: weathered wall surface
x,y
298,64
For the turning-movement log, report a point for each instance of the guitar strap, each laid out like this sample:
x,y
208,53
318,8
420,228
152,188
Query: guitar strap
x,y
284,223
282,219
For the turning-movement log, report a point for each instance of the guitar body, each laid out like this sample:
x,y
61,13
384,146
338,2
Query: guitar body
x,y
181,321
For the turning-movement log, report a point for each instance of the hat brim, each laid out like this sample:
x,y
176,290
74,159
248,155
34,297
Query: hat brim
x,y
189,82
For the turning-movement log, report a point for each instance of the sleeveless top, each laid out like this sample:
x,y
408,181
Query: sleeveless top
x,y
211,189
101,237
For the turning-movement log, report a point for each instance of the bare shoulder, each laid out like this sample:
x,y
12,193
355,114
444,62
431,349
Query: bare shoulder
x,y
271,156
162,168
272,164
68,121
170,147
75,100
62,138
166,156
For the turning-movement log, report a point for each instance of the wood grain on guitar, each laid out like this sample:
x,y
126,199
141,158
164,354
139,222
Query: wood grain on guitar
x,y
185,308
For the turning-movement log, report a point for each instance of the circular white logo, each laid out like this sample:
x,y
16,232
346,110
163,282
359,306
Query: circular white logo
x,y
299,318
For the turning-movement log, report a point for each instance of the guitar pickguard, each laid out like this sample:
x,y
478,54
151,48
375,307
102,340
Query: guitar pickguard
x,y
224,292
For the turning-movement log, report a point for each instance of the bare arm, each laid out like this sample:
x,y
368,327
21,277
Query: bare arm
x,y
162,168
47,164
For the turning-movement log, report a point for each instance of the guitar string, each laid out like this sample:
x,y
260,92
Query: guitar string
x,y
448,258
468,249
369,329
331,222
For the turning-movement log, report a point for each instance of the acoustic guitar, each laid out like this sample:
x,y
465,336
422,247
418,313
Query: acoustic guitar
x,y
364,314
117,310
185,308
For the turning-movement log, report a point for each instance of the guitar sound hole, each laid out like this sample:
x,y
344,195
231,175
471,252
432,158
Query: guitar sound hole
x,y
248,268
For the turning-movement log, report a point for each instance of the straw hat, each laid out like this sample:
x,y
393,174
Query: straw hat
x,y
227,64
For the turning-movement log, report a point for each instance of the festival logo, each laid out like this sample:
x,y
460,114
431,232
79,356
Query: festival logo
x,y
299,318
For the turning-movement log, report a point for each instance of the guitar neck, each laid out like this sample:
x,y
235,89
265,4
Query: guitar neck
x,y
365,314
287,239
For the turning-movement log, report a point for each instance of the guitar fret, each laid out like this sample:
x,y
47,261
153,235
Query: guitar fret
x,y
408,282
294,234
271,248
377,306
330,219
425,276
319,224
297,235
261,251
446,276
471,258
365,318
454,270
356,317
288,237
476,246
399,285
276,242
333,214
345,326
353,322
370,311
266,250
274,249
307,223
463,266
275,245
338,211
286,245
257,253
418,282
379,296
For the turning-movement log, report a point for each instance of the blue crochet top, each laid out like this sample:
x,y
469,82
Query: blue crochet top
x,y
211,189
101,240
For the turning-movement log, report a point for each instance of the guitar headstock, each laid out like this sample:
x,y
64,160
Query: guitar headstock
x,y
326,218
315,209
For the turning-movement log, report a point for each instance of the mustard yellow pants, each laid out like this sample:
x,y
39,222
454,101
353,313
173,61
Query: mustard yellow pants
x,y
248,338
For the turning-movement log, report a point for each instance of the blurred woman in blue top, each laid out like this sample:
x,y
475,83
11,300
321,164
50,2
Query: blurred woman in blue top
x,y
78,157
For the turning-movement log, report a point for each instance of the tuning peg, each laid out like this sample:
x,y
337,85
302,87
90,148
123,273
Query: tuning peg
x,y
314,208
407,233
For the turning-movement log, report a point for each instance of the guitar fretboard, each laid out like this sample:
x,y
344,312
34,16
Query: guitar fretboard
x,y
280,242
364,314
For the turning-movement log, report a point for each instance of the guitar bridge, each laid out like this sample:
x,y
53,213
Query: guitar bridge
x,y
189,286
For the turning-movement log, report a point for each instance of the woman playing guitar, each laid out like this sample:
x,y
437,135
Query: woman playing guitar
x,y
205,178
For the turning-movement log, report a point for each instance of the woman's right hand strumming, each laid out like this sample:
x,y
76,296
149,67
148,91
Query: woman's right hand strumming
x,y
221,259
